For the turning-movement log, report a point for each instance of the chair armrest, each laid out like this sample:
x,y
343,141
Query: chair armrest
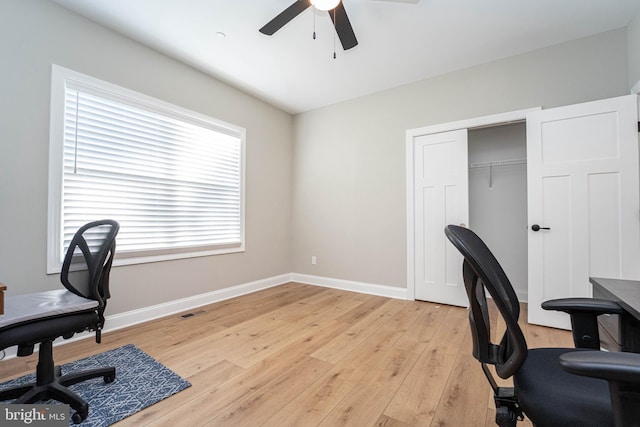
x,y
621,370
610,366
583,305
584,314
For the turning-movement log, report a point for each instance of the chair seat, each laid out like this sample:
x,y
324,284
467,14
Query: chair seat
x,y
31,318
572,400
39,305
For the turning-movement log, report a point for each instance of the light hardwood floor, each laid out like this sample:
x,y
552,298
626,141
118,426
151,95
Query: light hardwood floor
x,y
300,355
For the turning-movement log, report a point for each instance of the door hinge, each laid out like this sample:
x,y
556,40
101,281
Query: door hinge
x,y
638,126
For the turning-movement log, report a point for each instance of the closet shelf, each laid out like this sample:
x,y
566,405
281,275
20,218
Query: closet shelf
x,y
498,163
491,165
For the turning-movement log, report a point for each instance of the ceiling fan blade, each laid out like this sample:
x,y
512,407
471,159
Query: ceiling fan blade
x,y
343,27
285,16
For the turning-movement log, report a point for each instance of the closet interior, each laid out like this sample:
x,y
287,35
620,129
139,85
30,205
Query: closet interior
x,y
498,196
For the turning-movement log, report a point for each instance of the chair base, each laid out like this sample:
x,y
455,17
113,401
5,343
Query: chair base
x,y
50,384
508,410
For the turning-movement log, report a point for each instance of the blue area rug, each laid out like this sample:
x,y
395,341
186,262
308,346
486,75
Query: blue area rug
x,y
140,382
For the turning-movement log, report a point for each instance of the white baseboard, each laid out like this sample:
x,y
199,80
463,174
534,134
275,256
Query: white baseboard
x,y
348,285
523,296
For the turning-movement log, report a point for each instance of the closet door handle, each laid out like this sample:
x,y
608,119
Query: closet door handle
x,y
536,227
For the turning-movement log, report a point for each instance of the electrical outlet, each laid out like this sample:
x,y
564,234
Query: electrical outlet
x,y
314,260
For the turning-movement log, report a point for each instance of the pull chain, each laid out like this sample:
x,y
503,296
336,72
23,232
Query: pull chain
x,y
334,33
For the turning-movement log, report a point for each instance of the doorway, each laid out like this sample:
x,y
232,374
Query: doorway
x,y
436,280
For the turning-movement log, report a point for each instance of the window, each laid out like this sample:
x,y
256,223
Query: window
x,y
172,178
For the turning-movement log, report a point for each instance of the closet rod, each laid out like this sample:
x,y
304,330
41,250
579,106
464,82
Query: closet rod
x,y
498,163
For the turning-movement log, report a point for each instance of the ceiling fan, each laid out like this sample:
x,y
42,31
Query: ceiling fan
x,y
336,11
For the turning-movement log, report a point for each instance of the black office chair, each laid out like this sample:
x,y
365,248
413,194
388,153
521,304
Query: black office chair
x,y
551,386
40,318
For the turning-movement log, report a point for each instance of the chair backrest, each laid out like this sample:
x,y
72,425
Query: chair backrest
x,y
482,271
87,263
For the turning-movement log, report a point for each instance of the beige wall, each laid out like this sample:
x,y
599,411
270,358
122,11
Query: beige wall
x,y
35,34
633,49
349,159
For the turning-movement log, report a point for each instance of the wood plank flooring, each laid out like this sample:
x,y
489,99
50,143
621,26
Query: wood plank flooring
x,y
300,355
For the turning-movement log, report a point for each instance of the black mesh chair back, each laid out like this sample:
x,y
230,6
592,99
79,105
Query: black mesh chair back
x,y
482,271
87,263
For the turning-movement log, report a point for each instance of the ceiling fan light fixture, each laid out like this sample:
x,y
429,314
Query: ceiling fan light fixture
x,y
325,4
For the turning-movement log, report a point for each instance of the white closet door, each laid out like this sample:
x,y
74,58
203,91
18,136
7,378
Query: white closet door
x,y
583,185
441,186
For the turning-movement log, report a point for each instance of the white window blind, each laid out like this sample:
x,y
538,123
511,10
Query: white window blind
x,y
173,181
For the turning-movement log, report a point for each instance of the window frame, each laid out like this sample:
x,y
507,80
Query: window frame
x,y
60,77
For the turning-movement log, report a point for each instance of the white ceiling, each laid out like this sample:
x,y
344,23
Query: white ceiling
x,y
399,41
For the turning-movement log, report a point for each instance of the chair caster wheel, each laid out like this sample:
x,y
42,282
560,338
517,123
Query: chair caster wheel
x,y
109,379
77,418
